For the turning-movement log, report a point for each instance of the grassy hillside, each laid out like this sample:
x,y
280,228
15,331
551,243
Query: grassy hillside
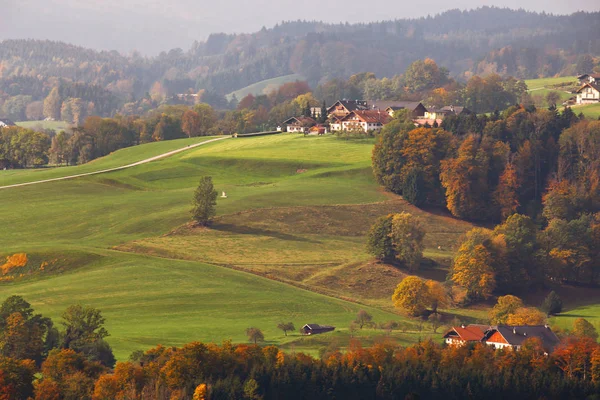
x,y
297,211
149,301
533,84
589,110
264,87
119,158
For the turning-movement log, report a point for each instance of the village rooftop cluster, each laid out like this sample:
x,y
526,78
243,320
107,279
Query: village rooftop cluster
x,y
360,115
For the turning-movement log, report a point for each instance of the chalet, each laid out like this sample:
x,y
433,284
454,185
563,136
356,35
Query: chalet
x,y
461,335
589,93
512,337
315,329
416,108
6,122
299,124
369,120
335,123
341,108
440,113
588,78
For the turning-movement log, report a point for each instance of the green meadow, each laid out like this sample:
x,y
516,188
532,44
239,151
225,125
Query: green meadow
x,y
54,125
264,87
149,297
287,243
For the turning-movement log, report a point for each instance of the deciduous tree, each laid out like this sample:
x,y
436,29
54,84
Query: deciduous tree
x,y
412,296
255,335
505,306
205,200
407,238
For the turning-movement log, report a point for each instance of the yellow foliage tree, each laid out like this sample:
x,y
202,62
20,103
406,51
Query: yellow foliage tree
x,y
412,296
526,316
505,306
473,270
200,392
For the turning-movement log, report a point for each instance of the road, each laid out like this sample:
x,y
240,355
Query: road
x,y
158,157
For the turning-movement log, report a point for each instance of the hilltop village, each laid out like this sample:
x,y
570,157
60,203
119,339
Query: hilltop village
x,y
368,117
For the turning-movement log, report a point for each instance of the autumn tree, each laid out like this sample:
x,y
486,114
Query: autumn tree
x,y
379,239
286,327
363,318
205,200
407,239
438,295
552,304
505,306
552,98
473,265
583,328
255,335
526,316
412,296
190,123
52,104
506,195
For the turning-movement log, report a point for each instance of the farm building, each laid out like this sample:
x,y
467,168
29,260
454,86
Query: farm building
x,y
588,93
341,108
415,108
6,122
513,336
501,336
315,329
370,120
299,124
461,335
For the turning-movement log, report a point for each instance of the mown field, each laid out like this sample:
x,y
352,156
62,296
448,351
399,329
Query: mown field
x,y
533,84
91,215
264,87
287,244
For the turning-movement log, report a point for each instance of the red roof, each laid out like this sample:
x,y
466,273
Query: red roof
x,y
370,116
471,333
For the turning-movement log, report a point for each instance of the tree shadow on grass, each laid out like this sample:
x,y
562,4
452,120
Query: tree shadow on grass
x,y
246,230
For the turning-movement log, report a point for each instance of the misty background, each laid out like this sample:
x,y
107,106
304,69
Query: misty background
x,y
152,26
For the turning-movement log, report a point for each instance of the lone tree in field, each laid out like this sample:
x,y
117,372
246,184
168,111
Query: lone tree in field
x,y
412,296
255,335
286,327
205,200
379,240
363,318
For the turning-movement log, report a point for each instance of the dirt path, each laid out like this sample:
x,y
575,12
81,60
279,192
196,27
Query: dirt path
x,y
158,157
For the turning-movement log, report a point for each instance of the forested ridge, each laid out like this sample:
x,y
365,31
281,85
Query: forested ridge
x,y
487,40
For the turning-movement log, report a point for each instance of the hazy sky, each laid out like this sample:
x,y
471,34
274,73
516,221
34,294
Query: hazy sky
x,y
154,25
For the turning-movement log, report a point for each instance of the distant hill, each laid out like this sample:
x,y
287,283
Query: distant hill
x,y
512,42
263,87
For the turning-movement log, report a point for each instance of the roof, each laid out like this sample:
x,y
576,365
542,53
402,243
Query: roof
x,y
468,333
395,105
6,121
317,326
592,85
370,116
516,335
454,109
350,105
303,121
